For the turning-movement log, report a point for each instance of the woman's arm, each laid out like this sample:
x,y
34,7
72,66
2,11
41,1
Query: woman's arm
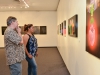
x,y
25,40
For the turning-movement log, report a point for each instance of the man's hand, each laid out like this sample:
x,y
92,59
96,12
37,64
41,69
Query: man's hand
x,y
19,33
18,30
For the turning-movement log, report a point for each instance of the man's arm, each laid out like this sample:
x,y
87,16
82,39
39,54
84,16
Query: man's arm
x,y
14,37
21,42
19,33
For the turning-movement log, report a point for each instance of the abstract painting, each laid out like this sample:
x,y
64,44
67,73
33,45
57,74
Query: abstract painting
x,y
36,29
64,28
3,28
60,30
93,27
73,26
43,30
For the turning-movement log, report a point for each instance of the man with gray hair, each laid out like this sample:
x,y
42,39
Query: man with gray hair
x,y
14,47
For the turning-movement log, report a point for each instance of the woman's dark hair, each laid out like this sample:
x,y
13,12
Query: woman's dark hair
x,y
26,26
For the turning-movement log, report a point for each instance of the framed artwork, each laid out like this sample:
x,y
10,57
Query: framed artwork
x,y
36,29
43,30
60,29
40,30
3,28
64,28
73,26
93,27
22,29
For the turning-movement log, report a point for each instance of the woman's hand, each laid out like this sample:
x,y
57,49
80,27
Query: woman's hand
x,y
30,56
36,54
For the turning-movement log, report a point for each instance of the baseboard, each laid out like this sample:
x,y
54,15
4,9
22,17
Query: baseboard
x,y
1,47
48,47
39,47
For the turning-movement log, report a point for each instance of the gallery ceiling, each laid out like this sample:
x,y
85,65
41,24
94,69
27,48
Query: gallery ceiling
x,y
35,5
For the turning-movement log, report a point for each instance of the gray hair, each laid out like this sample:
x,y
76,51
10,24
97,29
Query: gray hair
x,y
11,19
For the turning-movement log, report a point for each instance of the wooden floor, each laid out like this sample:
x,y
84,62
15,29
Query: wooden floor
x,y
49,62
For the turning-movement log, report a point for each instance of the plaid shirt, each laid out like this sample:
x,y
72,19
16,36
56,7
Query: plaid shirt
x,y
14,51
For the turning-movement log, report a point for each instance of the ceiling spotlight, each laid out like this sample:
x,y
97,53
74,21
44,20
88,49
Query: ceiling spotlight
x,y
25,3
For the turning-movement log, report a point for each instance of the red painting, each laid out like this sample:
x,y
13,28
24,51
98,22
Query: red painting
x,y
64,28
93,27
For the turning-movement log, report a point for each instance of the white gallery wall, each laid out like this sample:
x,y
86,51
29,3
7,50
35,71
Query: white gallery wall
x,y
37,18
73,50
